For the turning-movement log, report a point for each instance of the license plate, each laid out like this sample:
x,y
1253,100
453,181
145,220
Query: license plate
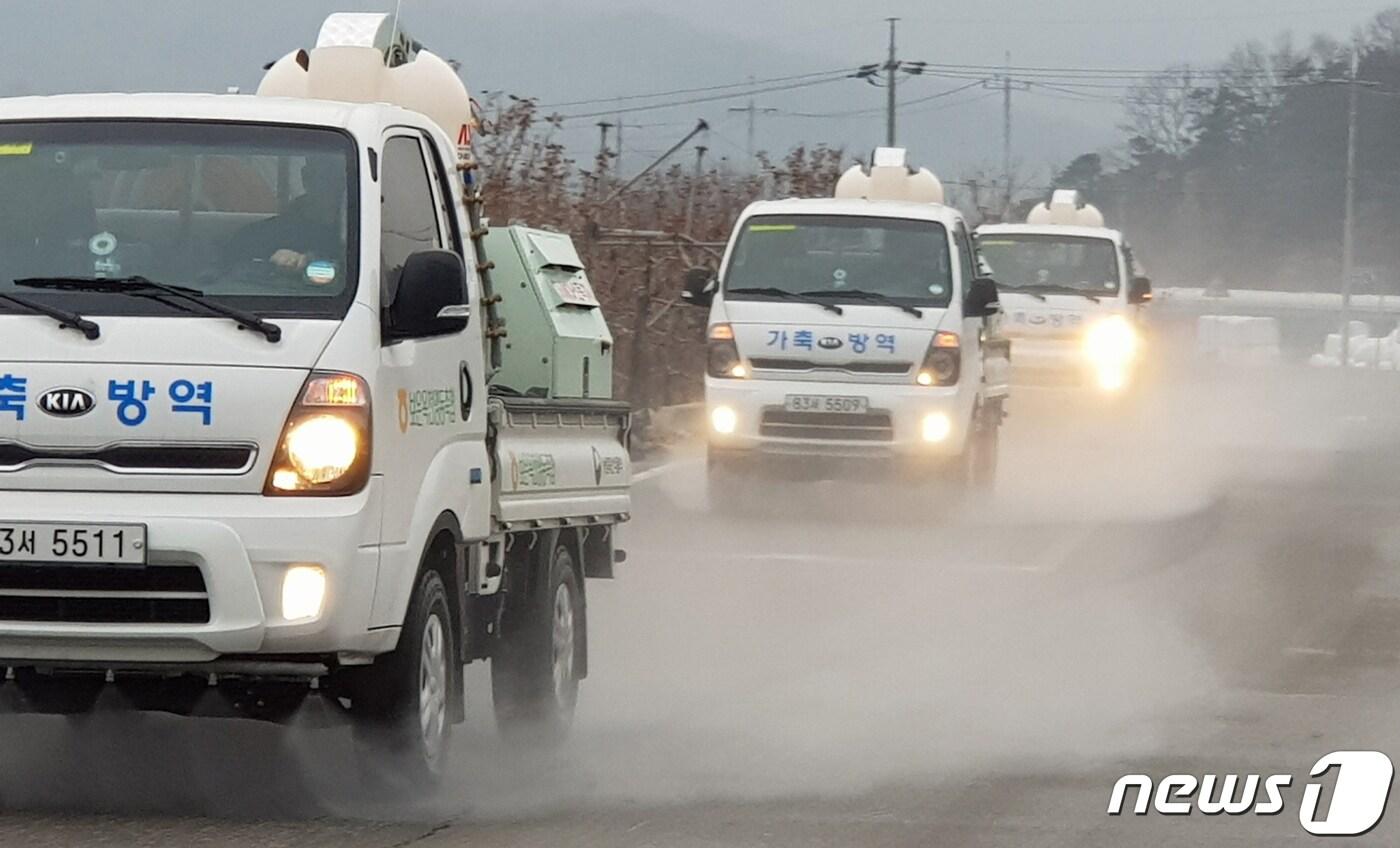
x,y
81,544
827,403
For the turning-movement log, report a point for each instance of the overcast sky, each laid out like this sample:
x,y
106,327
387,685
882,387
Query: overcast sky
x,y
586,49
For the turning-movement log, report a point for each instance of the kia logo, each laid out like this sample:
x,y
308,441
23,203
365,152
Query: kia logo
x,y
829,343
66,403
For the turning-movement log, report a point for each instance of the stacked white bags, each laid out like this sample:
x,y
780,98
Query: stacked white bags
x,y
1238,339
1363,350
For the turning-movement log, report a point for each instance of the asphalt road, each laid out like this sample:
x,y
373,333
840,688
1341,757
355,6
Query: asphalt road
x,y
1197,581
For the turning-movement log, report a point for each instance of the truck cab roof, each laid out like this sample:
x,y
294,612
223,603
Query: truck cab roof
x,y
939,213
1051,230
207,107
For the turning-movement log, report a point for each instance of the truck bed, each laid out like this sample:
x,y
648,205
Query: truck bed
x,y
559,462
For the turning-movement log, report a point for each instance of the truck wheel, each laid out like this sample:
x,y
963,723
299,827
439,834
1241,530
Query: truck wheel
x,y
978,470
400,705
535,670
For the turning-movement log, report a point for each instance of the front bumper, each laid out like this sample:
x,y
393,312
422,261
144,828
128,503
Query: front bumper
x,y
242,546
892,428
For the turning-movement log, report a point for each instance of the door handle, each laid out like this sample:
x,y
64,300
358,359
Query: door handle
x,y
466,390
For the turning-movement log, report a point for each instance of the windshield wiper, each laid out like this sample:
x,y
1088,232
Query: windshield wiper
x,y
1025,289
1054,289
66,320
769,291
874,297
141,286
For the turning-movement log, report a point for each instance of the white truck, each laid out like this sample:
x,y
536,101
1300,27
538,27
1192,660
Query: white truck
x,y
256,435
1071,293
852,334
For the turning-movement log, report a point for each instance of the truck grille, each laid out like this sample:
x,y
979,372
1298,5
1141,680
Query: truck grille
x,y
103,594
837,426
774,363
135,458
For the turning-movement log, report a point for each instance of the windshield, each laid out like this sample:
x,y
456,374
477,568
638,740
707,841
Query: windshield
x,y
259,217
1027,261
905,260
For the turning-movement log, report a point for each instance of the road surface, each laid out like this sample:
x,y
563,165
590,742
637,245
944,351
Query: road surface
x,y
1194,582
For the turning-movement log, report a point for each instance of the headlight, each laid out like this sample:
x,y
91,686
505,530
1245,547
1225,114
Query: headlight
x,y
323,449
724,420
942,361
1111,342
722,357
1110,346
325,444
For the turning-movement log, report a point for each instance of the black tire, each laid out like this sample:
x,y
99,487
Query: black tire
x,y
535,670
979,458
974,471
401,706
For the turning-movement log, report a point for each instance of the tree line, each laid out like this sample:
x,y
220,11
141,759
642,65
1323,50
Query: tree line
x,y
1236,175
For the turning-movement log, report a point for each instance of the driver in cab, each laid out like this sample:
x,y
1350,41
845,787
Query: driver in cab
x,y
310,230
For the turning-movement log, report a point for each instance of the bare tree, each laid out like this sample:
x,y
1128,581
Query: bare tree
x,y
1160,111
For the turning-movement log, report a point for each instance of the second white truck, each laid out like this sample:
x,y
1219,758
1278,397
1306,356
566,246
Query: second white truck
x,y
852,334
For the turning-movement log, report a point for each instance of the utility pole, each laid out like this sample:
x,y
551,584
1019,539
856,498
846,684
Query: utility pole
x,y
694,186
753,111
1348,223
891,71
617,157
1006,133
601,163
1006,84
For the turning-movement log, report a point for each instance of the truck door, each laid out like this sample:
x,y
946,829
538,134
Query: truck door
x,y
984,339
431,419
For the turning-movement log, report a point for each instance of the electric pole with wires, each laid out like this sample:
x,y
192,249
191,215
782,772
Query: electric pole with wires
x,y
753,111
1006,84
891,75
892,67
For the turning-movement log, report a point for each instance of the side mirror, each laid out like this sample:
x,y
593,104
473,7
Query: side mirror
x,y
431,299
981,299
1140,290
696,287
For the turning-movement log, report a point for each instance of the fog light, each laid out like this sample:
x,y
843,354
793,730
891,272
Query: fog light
x,y
303,592
937,427
724,420
739,372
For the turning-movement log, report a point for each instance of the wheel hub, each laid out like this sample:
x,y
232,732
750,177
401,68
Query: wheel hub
x,y
562,643
432,686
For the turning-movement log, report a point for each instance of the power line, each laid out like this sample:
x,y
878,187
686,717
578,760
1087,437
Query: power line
x,y
707,99
851,113
704,88
1311,11
941,106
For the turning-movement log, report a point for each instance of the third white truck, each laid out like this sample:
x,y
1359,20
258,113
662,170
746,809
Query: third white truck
x,y
1072,295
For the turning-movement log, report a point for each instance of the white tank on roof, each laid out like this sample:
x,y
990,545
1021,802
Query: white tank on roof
x,y
366,58
890,178
1068,208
